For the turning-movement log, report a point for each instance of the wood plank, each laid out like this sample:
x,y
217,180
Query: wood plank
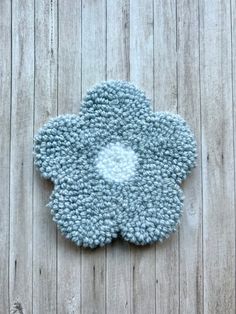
x,y
165,55
190,232
165,72
44,230
217,157
69,96
233,62
93,71
141,73
21,187
118,253
5,115
118,37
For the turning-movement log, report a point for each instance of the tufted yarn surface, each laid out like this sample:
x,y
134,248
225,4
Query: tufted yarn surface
x,y
116,167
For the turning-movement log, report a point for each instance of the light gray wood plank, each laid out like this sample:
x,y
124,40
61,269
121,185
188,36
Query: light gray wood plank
x,y
190,232
93,272
69,97
44,230
21,187
217,157
118,39
233,62
233,77
5,113
165,78
118,253
69,68
165,55
141,73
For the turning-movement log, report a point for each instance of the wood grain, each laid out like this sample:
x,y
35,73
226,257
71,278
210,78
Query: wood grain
x,y
45,99
5,140
217,157
233,62
183,54
21,168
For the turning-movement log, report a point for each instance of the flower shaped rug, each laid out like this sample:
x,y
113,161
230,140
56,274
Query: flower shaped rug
x,y
116,167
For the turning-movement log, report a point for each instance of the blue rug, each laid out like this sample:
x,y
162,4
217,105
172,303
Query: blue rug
x,y
116,167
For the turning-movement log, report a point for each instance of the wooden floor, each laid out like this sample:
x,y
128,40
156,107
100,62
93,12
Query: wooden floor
x,y
183,54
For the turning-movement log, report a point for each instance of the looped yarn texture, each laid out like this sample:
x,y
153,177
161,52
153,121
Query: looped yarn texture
x,y
116,167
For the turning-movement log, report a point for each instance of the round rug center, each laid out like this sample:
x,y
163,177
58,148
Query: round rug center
x,y
116,162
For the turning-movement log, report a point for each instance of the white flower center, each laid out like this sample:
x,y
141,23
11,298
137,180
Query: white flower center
x,y
116,162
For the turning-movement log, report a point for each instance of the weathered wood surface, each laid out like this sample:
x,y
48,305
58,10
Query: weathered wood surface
x,y
217,156
5,142
21,164
183,53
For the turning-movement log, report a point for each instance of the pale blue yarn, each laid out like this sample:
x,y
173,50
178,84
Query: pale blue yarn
x,y
91,210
